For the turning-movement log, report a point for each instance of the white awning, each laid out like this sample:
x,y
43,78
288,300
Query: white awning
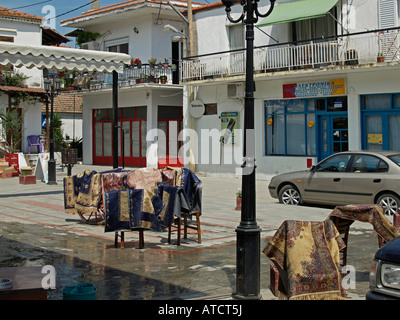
x,y
61,58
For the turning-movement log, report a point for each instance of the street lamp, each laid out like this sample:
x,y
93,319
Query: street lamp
x,y
248,232
53,88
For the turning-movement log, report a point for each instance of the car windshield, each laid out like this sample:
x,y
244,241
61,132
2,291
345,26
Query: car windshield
x,y
395,158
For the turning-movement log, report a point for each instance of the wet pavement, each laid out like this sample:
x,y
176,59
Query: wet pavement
x,y
35,231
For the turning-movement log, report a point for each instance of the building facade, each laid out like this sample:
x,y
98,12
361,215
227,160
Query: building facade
x,y
320,85
145,104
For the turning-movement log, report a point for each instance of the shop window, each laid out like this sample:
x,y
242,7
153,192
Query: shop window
x,y
290,130
376,101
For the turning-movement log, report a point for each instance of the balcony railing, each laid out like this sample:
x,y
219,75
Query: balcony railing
x,y
351,49
131,76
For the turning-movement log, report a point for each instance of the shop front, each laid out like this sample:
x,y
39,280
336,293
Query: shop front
x,y
310,121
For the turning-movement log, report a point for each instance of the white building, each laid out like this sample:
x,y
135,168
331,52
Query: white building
x,y
21,28
319,86
136,28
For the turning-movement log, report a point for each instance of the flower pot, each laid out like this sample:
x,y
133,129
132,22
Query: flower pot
x,y
163,80
238,204
380,59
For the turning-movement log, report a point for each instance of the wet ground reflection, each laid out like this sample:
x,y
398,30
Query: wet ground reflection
x,y
117,274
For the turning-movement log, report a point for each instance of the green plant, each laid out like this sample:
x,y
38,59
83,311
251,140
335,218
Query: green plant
x,y
152,61
239,193
86,36
59,142
12,128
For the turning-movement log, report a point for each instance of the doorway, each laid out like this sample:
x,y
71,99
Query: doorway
x,y
333,135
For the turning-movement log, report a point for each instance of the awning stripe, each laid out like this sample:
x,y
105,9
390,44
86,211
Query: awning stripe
x,y
61,58
297,10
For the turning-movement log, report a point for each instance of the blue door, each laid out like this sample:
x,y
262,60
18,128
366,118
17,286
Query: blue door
x,y
332,135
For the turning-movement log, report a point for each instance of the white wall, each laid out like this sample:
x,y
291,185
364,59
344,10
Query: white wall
x,y
25,33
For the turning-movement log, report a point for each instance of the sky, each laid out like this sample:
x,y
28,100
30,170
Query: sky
x,y
61,9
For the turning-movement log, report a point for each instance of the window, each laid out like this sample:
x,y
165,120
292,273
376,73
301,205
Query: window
x,y
236,37
367,163
380,121
315,28
119,45
290,129
336,163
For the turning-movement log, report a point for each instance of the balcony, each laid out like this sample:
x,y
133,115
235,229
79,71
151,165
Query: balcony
x,y
353,49
132,76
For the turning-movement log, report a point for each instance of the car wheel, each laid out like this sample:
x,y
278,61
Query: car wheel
x,y
389,202
290,195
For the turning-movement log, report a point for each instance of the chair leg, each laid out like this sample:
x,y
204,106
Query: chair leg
x,y
198,227
178,241
141,238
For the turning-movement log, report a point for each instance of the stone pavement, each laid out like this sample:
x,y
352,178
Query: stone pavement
x,y
36,231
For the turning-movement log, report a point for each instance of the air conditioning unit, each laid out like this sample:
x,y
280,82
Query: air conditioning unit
x,y
236,90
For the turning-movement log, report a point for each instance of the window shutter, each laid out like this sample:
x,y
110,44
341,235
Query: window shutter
x,y
387,13
387,18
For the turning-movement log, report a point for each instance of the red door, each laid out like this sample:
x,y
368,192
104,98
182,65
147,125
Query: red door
x,y
169,146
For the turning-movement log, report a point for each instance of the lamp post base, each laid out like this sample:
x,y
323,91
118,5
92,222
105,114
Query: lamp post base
x,y
51,172
248,263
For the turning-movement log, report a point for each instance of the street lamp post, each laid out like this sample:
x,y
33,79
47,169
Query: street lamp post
x,y
53,88
248,232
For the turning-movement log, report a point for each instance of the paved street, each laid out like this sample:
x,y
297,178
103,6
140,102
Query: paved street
x,y
36,231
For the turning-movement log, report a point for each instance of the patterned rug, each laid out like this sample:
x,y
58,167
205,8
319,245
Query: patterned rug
x,y
307,255
372,214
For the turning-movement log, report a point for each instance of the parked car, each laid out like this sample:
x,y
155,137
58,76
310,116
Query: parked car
x,y
349,177
384,279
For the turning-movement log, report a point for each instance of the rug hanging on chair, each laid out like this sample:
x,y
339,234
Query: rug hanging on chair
x,y
308,254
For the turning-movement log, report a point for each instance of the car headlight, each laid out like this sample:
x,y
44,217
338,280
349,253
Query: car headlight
x,y
390,275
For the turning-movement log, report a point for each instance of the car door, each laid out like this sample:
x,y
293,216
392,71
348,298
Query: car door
x,y
325,182
365,177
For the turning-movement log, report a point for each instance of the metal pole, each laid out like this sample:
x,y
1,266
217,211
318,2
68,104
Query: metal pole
x,y
248,232
52,163
115,120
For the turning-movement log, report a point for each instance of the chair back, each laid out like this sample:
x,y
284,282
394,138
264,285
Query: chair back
x,y
33,140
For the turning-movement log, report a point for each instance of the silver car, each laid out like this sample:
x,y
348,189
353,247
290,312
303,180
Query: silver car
x,y
351,177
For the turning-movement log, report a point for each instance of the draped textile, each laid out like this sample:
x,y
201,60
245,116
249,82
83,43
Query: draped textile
x,y
144,178
307,255
146,198
129,209
82,193
373,214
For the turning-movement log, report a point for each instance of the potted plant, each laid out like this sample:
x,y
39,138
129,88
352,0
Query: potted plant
x,y
136,63
380,57
239,199
163,79
166,63
152,62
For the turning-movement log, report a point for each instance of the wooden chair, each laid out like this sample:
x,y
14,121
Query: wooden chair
x,y
122,236
186,224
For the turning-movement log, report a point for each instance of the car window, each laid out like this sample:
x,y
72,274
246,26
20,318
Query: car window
x,y
368,163
395,158
334,164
